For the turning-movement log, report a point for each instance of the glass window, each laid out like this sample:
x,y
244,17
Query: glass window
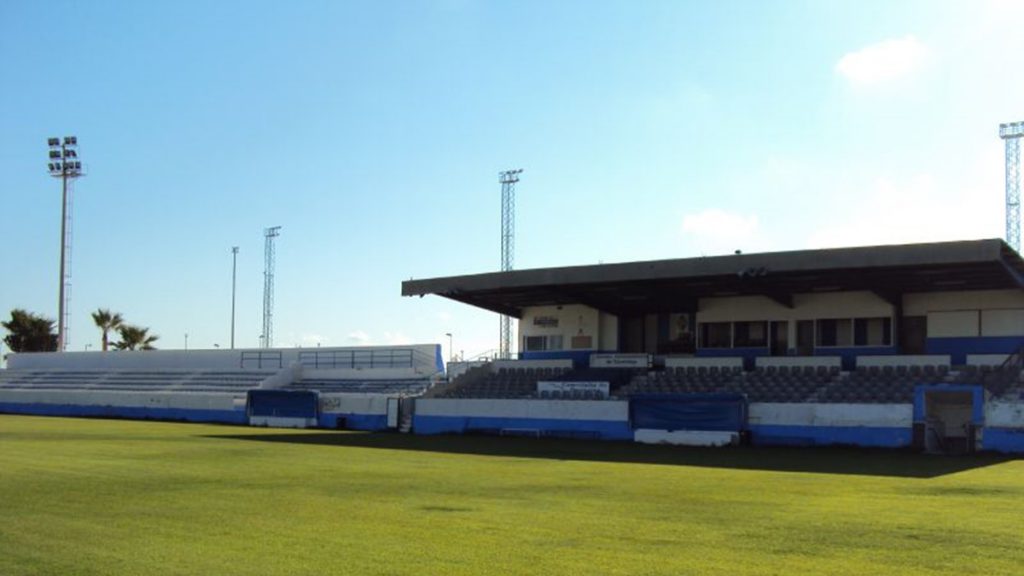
x,y
826,333
872,332
716,335
750,334
835,332
533,343
554,342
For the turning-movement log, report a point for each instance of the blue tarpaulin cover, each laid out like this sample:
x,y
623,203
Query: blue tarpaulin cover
x,y
720,412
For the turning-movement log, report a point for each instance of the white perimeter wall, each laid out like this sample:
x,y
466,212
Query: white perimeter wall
x,y
1004,414
864,415
353,404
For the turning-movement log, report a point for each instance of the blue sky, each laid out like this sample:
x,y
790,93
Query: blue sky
x,y
373,132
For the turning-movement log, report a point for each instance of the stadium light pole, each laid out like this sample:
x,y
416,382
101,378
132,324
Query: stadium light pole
x,y
64,164
234,276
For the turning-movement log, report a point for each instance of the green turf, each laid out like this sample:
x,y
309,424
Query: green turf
x,y
119,497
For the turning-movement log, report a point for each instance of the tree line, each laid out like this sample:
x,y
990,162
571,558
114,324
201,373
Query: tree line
x,y
28,332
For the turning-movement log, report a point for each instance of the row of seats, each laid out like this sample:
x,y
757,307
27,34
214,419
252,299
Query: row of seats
x,y
133,380
389,387
875,384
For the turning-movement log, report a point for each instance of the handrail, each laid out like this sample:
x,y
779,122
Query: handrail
x,y
1013,364
387,358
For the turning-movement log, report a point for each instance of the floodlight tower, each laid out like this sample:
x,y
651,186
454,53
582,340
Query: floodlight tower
x,y
64,164
234,276
1012,133
508,181
267,337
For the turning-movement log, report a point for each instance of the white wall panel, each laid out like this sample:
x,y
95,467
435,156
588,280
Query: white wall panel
x,y
875,415
958,324
921,304
1004,414
1002,322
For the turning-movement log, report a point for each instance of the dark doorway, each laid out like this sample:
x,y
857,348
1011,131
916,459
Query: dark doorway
x,y
779,338
632,332
805,338
913,331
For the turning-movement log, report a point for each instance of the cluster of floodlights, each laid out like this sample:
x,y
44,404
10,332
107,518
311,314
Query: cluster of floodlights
x,y
64,157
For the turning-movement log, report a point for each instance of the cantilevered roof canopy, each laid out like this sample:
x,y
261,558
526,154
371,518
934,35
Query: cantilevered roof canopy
x,y
675,285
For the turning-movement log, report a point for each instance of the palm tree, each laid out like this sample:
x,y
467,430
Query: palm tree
x,y
106,321
28,332
135,338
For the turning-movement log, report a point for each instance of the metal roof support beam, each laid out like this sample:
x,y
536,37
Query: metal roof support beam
x,y
892,297
1017,277
780,298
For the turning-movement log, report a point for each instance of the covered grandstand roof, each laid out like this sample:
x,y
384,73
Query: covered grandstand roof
x,y
667,285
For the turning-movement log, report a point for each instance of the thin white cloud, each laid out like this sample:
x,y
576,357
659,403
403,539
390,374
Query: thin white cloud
x,y
716,231
918,209
396,339
359,337
310,340
883,61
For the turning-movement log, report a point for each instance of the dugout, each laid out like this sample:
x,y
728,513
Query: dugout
x,y
283,408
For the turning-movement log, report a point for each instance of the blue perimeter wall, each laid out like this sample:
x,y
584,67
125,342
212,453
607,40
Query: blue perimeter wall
x,y
133,412
602,429
365,422
959,348
1006,440
779,435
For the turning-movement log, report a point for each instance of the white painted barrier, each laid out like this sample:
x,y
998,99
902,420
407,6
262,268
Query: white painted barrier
x,y
686,437
1004,414
684,362
515,364
986,359
908,360
866,415
620,360
800,361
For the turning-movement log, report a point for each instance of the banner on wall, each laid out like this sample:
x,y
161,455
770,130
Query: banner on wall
x,y
562,387
620,360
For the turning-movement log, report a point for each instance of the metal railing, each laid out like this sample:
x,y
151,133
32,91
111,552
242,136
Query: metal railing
x,y
262,360
385,358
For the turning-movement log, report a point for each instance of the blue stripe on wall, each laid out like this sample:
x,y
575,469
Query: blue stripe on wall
x,y
777,435
959,348
132,412
1008,440
580,358
604,429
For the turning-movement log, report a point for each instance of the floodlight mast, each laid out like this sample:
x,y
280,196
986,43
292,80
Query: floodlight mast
x,y
267,338
234,275
1012,133
64,164
508,181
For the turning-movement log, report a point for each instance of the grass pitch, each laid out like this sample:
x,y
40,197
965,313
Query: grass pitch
x,y
120,497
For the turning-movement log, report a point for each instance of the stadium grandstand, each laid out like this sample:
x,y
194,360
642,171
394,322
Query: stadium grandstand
x,y
897,346
888,346
363,388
